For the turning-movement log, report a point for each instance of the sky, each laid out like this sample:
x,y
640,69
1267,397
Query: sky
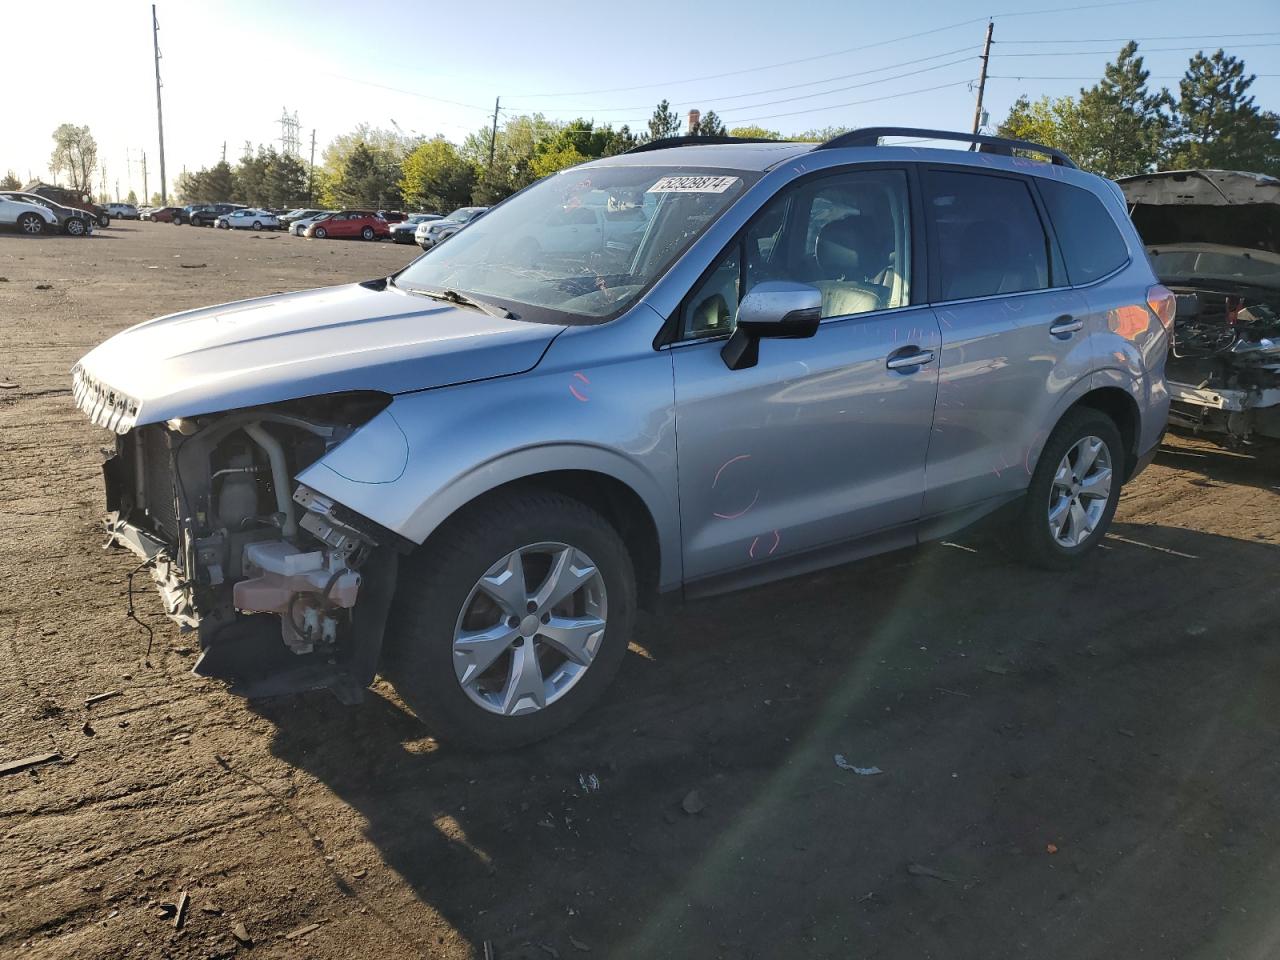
x,y
231,69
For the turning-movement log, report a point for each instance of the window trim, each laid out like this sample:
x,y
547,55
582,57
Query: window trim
x,y
1056,262
669,334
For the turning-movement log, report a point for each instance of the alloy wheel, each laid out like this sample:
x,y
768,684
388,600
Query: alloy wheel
x,y
1080,491
530,628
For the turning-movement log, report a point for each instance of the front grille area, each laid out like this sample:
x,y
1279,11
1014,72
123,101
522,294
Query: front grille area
x,y
159,496
105,406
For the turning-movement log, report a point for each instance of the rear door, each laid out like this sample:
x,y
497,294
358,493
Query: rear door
x,y
823,441
1015,336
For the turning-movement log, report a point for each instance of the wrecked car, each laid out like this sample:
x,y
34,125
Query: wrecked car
x,y
1213,237
470,474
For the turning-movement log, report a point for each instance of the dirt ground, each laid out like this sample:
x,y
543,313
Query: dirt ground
x,y
1075,766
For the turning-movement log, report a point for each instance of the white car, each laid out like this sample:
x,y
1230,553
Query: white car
x,y
28,218
248,219
431,232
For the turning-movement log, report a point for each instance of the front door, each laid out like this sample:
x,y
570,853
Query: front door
x,y
825,439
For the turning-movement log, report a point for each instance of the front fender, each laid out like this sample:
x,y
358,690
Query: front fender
x,y
596,403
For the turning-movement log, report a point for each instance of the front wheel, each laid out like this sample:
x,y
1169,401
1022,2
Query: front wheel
x,y
257,225
367,233
512,620
75,227
319,233
104,221
1073,492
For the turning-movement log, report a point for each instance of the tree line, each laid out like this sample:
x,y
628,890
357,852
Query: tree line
x,y
1118,126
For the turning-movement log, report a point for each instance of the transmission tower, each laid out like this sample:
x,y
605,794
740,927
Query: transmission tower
x,y
290,133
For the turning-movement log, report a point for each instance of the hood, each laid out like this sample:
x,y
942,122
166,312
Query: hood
x,y
295,345
1226,208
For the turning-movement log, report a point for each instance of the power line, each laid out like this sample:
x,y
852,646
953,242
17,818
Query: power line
x,y
1109,53
695,101
838,53
1167,76
1214,36
855,103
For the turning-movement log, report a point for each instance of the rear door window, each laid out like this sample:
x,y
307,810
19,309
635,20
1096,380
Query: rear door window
x,y
989,236
1091,243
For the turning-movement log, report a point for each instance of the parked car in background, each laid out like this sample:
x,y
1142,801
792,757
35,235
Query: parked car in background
x,y
287,220
204,214
403,232
72,221
1213,237
162,214
299,227
464,476
392,216
349,224
248,219
27,217
123,211
69,198
429,234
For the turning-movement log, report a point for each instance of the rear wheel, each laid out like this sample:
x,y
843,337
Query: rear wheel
x,y
104,221
1073,492
513,620
31,224
257,224
367,233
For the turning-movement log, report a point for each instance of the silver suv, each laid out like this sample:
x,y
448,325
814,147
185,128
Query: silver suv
x,y
742,361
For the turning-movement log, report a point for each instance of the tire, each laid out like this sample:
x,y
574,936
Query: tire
x,y
320,233
31,224
1034,530
257,225
367,233
104,221
441,583
74,227
197,222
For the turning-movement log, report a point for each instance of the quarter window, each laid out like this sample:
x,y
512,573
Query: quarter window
x,y
1090,242
847,235
989,235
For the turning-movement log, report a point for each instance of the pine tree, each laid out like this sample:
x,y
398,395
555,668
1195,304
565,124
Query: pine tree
x,y
1216,124
664,123
709,125
1122,123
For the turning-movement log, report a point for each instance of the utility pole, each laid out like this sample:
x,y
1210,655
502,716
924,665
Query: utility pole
x,y
146,190
982,82
493,136
155,38
311,171
117,189
224,151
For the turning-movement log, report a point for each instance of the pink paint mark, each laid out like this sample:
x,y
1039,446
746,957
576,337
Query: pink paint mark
x,y
732,460
578,395
741,513
751,550
755,542
943,317
777,539
582,377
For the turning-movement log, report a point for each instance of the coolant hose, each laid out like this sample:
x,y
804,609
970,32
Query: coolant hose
x,y
279,474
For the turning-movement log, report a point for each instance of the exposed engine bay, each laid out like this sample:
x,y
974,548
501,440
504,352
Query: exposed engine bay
x,y
1213,237
238,549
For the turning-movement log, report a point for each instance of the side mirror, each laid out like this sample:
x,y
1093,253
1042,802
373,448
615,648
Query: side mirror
x,y
780,309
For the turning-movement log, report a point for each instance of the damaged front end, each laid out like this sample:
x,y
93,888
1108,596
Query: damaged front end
x,y
1213,237
287,590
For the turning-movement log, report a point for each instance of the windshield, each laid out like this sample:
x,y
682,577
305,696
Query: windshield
x,y
584,243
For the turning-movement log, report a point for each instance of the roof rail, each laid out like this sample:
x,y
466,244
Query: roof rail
x,y
870,137
693,141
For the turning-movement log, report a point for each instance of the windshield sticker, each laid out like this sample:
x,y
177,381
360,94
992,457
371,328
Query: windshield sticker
x,y
693,185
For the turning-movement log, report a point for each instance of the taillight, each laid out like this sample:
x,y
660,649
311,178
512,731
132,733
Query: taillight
x,y
1163,304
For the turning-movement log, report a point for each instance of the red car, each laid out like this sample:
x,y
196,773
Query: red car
x,y
350,223
163,215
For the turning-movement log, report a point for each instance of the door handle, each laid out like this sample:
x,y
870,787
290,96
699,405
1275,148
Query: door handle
x,y
906,361
1066,325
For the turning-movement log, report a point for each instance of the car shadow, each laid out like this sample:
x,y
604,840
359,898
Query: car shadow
x,y
697,811
1257,464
